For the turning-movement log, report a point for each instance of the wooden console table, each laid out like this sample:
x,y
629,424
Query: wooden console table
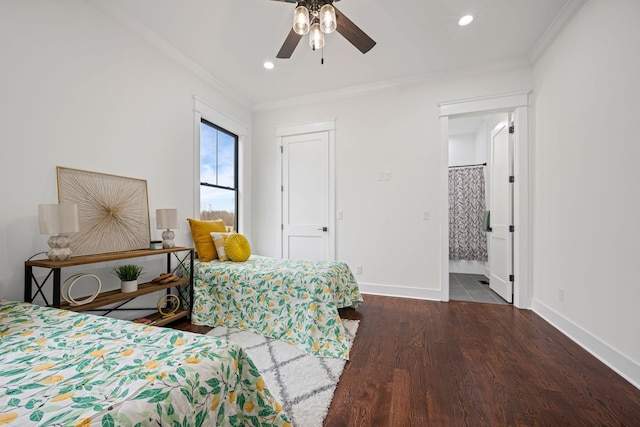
x,y
114,296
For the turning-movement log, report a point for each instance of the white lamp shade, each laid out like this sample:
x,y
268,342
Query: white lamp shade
x,y
58,218
167,219
301,20
328,23
316,37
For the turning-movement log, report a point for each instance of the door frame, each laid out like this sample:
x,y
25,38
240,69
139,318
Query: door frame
x,y
518,103
202,110
328,126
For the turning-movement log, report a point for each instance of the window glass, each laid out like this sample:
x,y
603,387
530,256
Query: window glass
x,y
218,174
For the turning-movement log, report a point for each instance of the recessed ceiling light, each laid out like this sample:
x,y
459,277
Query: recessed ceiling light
x,y
268,65
465,20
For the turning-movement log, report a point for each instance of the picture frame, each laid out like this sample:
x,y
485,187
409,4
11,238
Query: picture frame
x,y
113,210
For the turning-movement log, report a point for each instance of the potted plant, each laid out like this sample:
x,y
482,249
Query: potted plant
x,y
128,275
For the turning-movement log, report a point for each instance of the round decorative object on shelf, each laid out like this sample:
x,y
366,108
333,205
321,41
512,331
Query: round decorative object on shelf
x,y
172,303
69,284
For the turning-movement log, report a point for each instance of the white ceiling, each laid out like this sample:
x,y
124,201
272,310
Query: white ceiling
x,y
227,41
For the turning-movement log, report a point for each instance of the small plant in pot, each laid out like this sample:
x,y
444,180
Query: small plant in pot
x,y
128,275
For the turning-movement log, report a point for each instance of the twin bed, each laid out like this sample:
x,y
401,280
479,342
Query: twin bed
x,y
76,369
294,301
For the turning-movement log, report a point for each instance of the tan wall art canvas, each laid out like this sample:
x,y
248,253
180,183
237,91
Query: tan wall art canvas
x,y
114,211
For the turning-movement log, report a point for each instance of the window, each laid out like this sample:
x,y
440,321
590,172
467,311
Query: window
x,y
218,174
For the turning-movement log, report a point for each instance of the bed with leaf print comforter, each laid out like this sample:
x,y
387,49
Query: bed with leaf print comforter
x,y
63,368
294,301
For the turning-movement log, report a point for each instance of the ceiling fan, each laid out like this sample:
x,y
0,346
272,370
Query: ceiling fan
x,y
320,17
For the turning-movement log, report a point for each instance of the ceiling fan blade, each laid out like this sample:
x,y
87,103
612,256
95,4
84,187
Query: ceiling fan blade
x,y
289,45
353,33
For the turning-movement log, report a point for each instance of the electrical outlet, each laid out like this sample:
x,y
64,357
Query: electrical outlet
x,y
387,175
339,215
561,295
358,269
426,215
380,176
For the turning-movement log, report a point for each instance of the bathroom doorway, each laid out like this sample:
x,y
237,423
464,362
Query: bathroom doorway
x,y
480,247
518,104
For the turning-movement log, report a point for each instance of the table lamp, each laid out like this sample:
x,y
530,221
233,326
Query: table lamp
x,y
60,220
167,219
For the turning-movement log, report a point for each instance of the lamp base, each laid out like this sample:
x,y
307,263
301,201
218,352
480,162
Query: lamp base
x,y
59,245
167,239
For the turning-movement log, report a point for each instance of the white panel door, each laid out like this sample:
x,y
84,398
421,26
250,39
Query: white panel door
x,y
501,207
305,197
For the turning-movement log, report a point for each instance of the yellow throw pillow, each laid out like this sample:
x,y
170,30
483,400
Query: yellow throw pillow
x,y
237,247
201,235
218,242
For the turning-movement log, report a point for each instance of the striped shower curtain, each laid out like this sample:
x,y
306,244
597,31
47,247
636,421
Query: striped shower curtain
x,y
467,239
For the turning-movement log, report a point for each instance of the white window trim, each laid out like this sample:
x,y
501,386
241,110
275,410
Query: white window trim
x,y
201,111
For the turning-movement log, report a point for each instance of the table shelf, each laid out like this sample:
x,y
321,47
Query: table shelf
x,y
114,296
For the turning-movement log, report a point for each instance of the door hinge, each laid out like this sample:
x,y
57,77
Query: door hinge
x,y
511,278
281,226
512,129
281,149
512,179
511,228
282,188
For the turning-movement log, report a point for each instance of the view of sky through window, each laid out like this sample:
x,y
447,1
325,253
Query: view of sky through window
x,y
217,172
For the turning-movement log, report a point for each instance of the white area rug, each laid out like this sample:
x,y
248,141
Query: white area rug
x,y
302,383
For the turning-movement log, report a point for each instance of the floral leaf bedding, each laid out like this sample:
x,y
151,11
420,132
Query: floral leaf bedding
x,y
294,301
63,368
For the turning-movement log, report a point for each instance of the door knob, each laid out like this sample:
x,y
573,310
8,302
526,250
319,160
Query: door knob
x,y
323,229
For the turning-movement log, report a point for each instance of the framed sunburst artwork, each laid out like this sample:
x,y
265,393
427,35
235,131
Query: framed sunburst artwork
x,y
114,211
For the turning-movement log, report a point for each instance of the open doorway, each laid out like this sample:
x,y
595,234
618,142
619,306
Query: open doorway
x,y
517,104
473,166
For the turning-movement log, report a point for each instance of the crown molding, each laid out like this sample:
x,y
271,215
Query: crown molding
x,y
115,12
396,84
119,15
568,12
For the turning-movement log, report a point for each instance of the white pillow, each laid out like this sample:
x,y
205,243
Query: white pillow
x,y
218,242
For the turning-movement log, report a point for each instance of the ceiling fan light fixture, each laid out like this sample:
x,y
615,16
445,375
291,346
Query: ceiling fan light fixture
x,y
301,20
328,22
316,37
320,17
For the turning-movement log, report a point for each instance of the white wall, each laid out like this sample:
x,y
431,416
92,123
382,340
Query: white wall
x,y
396,131
586,227
462,149
481,143
81,91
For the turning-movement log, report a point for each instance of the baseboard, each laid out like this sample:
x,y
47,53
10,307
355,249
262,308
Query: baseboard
x,y
621,364
400,291
468,267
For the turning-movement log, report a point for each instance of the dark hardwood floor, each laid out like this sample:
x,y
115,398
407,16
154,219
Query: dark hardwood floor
x,y
424,363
